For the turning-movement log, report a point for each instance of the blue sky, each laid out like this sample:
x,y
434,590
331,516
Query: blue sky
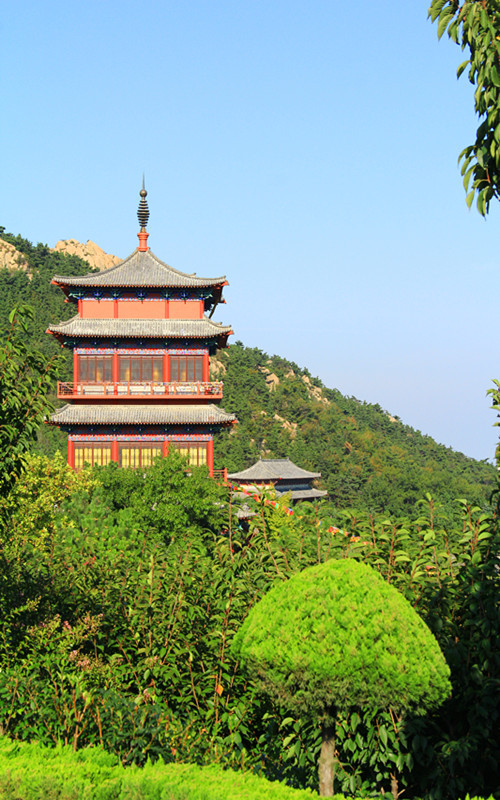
x,y
307,150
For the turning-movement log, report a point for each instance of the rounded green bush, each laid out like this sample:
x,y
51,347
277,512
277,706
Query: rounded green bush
x,y
337,635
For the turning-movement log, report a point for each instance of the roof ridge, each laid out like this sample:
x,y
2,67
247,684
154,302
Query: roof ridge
x,y
99,272
184,274
142,413
105,277
146,322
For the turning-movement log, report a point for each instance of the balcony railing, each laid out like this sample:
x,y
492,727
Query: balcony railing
x,y
220,475
139,389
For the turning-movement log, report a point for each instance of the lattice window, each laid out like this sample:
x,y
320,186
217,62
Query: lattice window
x,y
196,452
186,368
95,369
139,454
91,453
141,368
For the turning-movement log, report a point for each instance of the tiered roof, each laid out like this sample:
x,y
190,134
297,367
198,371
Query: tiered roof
x,y
142,328
147,414
142,269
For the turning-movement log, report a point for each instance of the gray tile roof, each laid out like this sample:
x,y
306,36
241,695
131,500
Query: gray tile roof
x,y
142,328
306,494
139,269
245,512
141,415
273,469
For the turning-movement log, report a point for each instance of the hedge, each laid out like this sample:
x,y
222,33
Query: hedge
x,y
35,772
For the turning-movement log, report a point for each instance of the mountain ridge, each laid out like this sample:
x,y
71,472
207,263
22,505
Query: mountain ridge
x,y
12,258
89,252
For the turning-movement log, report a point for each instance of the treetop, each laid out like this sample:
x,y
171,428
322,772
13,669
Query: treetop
x,y
336,636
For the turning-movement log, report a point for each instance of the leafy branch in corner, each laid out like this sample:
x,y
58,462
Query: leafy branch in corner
x,y
475,26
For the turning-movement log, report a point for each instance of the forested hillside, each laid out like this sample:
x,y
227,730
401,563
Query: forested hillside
x,y
31,284
368,459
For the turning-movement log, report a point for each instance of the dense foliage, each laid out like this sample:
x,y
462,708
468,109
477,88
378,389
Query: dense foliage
x,y
117,629
336,636
33,772
475,26
26,377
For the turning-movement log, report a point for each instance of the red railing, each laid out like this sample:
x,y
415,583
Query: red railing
x,y
220,475
138,389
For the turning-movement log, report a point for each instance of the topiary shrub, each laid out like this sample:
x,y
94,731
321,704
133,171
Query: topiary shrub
x,y
336,636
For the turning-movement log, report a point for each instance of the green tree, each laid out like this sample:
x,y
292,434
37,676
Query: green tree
x,y
34,503
475,26
26,377
334,637
495,395
170,501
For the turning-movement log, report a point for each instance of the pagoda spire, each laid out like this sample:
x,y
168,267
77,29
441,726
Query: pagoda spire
x,y
143,217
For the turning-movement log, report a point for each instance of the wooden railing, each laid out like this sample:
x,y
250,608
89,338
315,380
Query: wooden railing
x,y
220,475
138,389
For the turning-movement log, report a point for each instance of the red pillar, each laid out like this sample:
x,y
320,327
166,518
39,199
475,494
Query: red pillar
x,y
115,372
206,364
115,456
71,453
76,377
210,457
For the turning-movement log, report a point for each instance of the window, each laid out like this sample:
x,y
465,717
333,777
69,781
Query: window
x,y
141,368
196,452
186,368
139,454
93,454
95,369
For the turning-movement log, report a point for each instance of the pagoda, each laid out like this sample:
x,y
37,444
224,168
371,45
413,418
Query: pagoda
x,y
141,342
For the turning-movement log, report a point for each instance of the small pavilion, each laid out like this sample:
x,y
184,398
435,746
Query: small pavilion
x,y
280,473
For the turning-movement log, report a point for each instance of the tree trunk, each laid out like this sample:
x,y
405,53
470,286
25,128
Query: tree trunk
x,y
394,787
326,767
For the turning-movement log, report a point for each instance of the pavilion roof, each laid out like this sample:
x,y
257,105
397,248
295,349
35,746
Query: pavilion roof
x,y
142,328
273,469
307,494
141,415
140,269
